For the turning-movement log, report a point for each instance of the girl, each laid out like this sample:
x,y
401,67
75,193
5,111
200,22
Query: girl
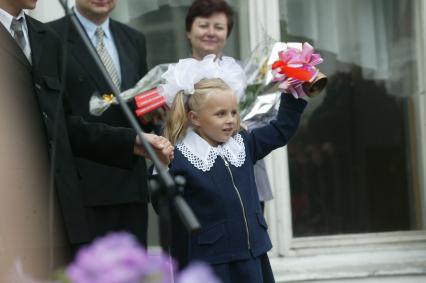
x,y
217,158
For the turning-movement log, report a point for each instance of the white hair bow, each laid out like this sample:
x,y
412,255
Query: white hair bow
x,y
187,72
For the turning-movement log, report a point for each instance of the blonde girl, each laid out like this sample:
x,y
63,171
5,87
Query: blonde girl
x,y
217,159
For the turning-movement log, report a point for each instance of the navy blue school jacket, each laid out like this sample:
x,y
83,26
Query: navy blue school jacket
x,y
233,226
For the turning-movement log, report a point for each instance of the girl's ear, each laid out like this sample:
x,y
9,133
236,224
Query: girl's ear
x,y
193,118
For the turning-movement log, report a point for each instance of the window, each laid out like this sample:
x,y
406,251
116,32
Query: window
x,y
355,180
353,162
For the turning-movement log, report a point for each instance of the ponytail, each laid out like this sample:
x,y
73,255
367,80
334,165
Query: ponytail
x,y
177,122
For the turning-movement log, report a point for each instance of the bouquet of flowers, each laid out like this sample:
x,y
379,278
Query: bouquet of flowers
x,y
275,67
144,93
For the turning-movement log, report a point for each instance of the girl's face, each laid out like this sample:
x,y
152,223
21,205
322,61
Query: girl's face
x,y
216,120
208,35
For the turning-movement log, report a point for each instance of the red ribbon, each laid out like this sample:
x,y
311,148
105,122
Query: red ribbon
x,y
148,101
295,73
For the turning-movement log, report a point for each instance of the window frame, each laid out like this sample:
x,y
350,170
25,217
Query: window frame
x,y
420,102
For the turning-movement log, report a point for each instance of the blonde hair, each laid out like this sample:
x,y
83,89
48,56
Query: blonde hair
x,y
177,121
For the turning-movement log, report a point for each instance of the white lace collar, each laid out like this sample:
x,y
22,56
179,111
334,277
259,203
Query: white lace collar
x,y
203,156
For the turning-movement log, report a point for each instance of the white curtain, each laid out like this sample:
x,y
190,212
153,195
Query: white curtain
x,y
377,35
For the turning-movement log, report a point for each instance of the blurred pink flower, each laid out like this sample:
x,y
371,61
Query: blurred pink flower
x,y
119,258
196,273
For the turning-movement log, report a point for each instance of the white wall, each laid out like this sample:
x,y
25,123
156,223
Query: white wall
x,y
48,10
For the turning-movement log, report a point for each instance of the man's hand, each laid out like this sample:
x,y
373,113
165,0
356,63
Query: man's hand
x,y
162,147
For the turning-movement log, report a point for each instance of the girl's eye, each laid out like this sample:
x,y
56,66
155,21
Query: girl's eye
x,y
220,27
220,113
234,113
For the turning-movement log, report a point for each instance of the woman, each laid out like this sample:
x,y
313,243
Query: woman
x,y
208,25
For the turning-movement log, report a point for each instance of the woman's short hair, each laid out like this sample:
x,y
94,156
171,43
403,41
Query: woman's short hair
x,y
206,8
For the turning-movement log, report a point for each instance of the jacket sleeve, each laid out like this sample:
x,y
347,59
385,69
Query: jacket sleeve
x,y
261,141
100,142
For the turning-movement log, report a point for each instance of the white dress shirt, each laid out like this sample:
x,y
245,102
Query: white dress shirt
x,y
90,29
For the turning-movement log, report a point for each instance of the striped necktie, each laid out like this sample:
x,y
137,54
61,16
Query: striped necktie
x,y
18,33
106,57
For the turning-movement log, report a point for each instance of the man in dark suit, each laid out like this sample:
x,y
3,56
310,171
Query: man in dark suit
x,y
115,199
30,64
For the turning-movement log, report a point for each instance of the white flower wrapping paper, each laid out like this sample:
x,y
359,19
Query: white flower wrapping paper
x,y
98,104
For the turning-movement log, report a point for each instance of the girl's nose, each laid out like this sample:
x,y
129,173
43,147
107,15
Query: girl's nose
x,y
230,119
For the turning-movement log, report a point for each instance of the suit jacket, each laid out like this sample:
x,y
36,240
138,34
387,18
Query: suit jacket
x,y
102,184
65,133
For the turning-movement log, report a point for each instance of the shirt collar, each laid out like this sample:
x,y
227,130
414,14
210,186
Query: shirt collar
x,y
90,27
6,19
202,155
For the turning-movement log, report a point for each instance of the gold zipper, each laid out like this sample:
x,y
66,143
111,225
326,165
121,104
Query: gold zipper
x,y
241,202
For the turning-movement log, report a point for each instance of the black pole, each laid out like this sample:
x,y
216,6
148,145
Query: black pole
x,y
166,186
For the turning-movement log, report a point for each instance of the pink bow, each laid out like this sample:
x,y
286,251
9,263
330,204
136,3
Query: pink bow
x,y
296,67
